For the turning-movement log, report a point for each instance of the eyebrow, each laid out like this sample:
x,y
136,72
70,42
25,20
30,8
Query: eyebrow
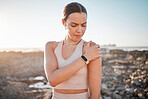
x,y
77,23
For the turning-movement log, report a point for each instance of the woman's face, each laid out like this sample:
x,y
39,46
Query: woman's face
x,y
76,25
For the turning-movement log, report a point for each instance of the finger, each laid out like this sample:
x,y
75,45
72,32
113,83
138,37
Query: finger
x,y
92,43
98,46
88,44
98,52
97,56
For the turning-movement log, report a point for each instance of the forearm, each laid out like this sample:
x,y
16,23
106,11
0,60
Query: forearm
x,y
66,72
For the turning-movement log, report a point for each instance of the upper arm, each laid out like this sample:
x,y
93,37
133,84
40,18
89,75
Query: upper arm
x,y
50,61
94,76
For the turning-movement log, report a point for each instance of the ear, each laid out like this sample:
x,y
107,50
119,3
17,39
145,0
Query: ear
x,y
63,22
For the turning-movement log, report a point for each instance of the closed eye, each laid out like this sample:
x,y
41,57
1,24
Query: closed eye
x,y
74,24
83,25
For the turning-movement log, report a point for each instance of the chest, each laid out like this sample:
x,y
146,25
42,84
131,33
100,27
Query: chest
x,y
68,51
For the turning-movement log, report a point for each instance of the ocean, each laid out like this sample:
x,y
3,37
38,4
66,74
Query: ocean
x,y
42,49
21,49
126,48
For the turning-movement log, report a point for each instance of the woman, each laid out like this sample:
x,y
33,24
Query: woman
x,y
72,66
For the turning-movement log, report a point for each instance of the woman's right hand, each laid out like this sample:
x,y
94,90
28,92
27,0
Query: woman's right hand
x,y
92,52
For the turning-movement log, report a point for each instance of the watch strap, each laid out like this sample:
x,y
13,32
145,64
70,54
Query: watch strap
x,y
85,59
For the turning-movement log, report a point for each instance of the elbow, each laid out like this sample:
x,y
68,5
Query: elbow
x,y
52,83
51,80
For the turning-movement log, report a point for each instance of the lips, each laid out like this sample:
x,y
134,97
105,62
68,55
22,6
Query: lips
x,y
78,36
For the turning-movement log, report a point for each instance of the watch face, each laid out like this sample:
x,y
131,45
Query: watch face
x,y
84,58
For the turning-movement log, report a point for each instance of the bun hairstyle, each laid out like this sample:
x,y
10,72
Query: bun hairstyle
x,y
72,8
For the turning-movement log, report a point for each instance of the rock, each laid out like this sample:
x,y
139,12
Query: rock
x,y
105,97
136,82
117,61
122,93
116,92
135,75
9,78
120,88
140,94
121,52
129,57
16,64
18,90
135,92
113,87
3,83
146,90
139,59
146,94
116,96
103,86
105,92
15,90
130,90
128,95
146,62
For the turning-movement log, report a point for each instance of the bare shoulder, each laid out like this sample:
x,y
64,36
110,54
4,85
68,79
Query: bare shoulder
x,y
51,45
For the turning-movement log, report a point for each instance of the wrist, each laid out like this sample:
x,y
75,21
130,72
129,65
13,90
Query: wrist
x,y
85,59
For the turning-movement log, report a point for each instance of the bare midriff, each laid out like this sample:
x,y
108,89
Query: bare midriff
x,y
70,91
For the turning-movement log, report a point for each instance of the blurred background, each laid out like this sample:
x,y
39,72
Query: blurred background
x,y
31,23
120,27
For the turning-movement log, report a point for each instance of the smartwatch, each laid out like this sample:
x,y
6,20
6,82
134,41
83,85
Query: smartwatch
x,y
85,59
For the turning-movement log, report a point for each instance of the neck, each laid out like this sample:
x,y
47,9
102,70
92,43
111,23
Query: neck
x,y
67,41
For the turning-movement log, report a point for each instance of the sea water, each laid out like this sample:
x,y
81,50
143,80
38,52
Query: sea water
x,y
126,48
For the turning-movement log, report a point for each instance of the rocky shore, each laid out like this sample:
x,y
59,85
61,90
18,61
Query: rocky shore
x,y
124,75
19,72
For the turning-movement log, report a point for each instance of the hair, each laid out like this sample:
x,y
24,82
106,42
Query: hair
x,y
72,8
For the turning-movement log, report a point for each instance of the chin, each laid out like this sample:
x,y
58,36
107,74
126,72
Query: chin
x,y
74,38
78,39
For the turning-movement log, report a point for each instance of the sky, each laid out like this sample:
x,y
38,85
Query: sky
x,y
32,23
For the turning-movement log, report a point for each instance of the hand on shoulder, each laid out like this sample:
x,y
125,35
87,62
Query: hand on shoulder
x,y
91,44
91,50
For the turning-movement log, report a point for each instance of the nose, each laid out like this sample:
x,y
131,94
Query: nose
x,y
79,29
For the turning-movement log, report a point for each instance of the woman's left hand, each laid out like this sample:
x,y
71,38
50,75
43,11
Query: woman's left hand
x,y
92,44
